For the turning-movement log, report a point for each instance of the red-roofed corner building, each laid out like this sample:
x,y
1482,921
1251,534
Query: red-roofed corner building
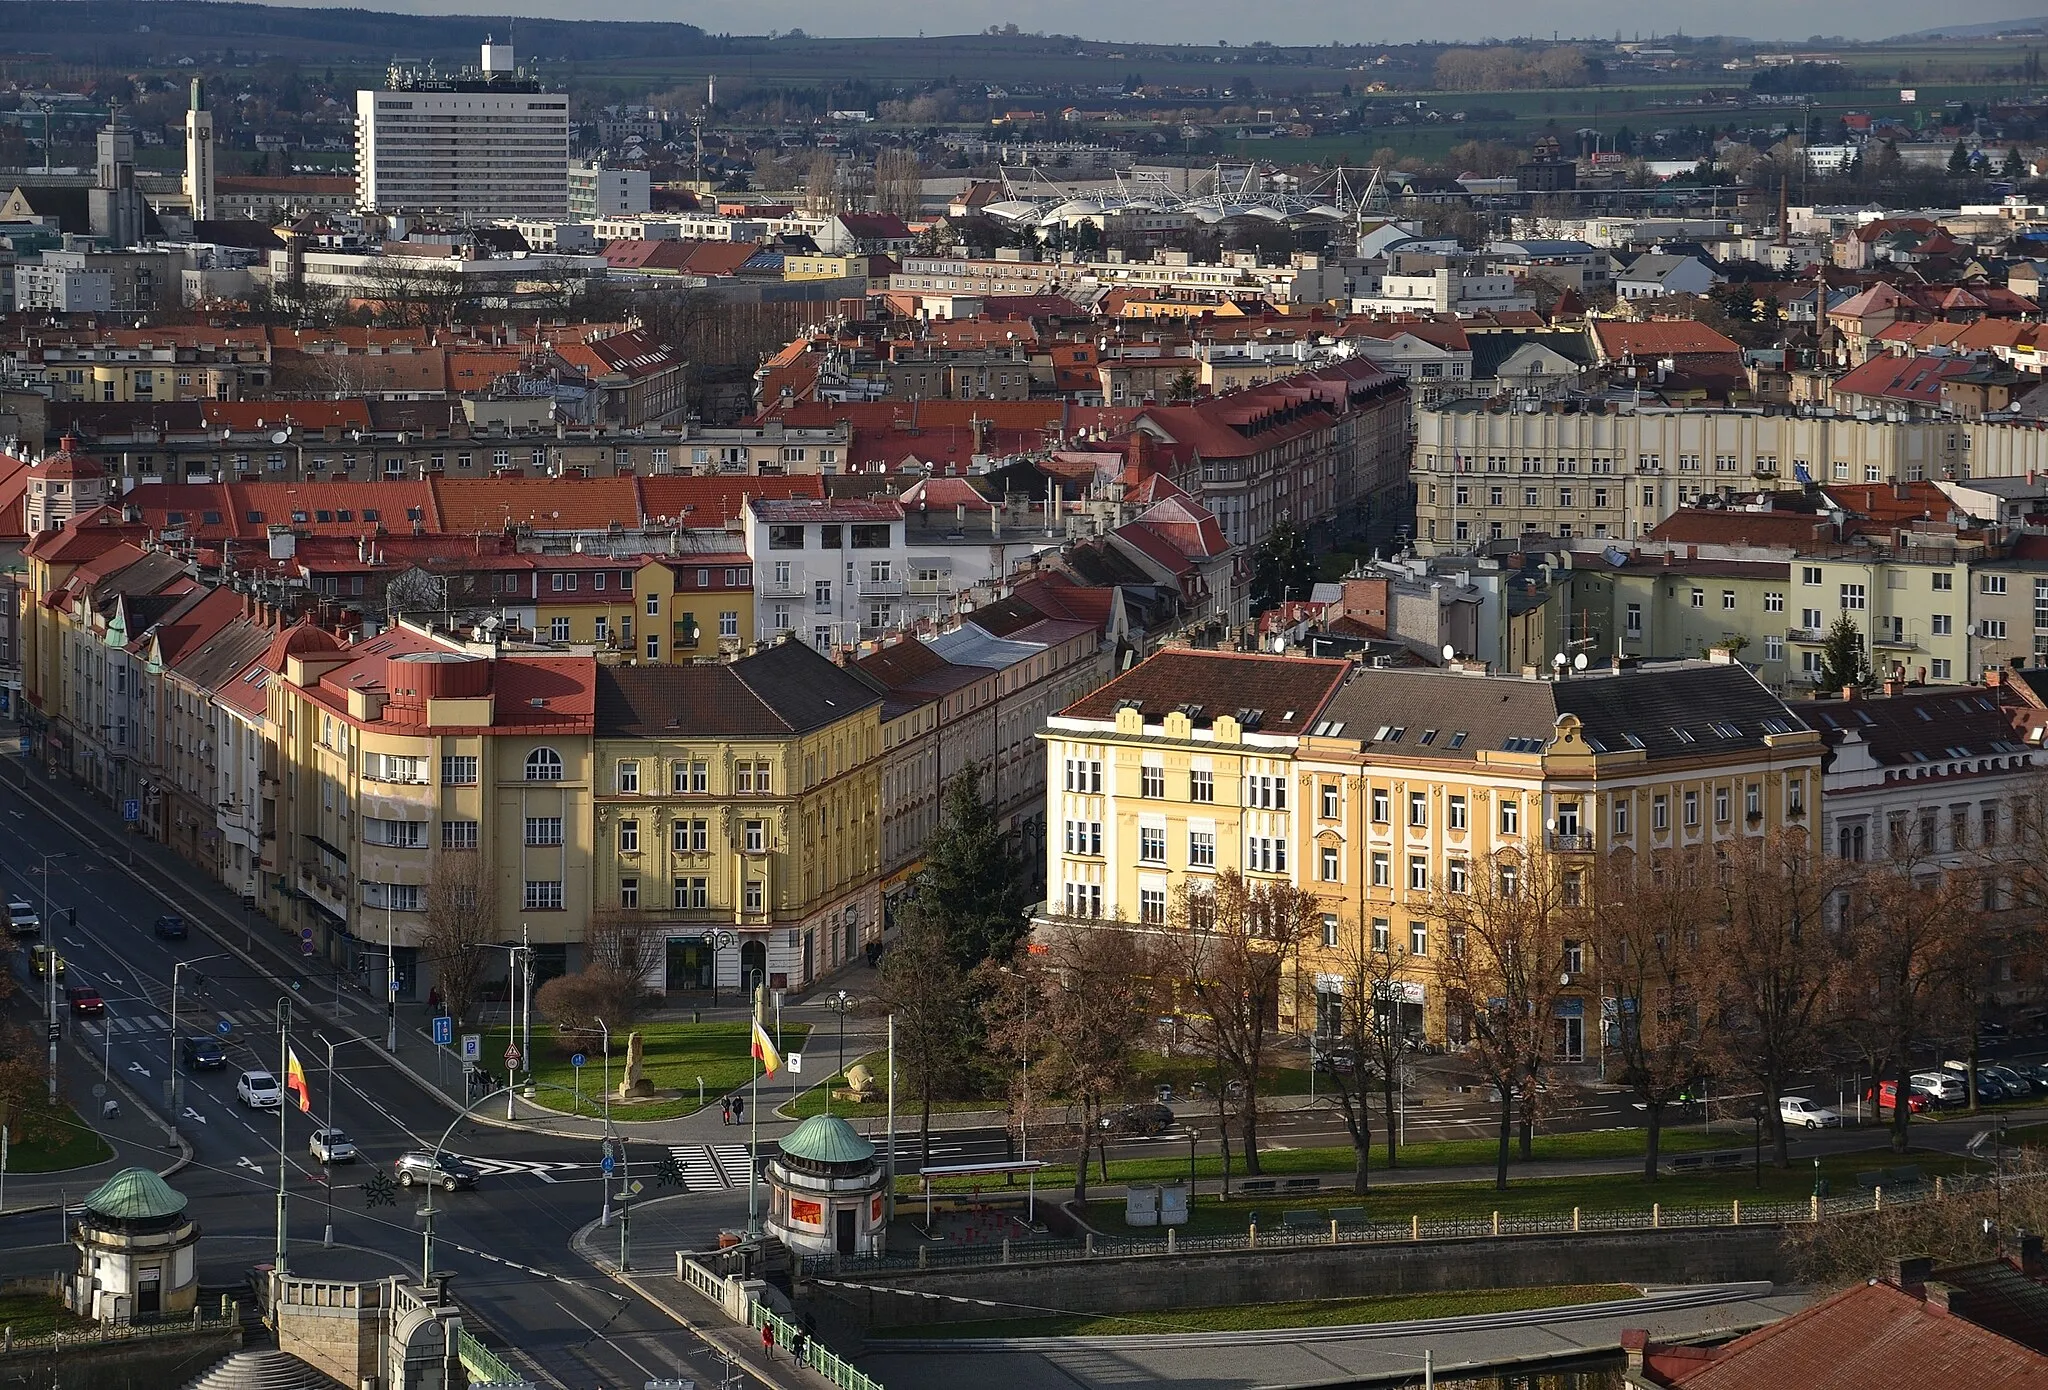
x,y
448,767
1325,448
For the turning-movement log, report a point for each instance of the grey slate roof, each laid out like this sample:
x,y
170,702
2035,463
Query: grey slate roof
x,y
782,689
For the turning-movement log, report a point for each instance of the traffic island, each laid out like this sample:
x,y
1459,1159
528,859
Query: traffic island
x,y
687,1067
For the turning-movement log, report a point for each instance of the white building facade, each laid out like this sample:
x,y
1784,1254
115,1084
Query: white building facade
x,y
487,144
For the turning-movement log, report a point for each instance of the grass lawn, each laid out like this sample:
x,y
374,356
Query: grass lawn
x,y
67,1144
1244,1317
676,1055
812,1102
1442,1153
33,1315
1609,1192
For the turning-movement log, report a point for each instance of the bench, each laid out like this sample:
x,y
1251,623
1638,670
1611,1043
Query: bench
x,y
1314,1219
1253,1186
1304,1184
1872,1178
1685,1163
1348,1216
1904,1177
1730,1160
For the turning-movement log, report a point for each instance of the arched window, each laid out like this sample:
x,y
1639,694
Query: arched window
x,y
543,765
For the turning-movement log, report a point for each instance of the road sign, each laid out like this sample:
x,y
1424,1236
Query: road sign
x,y
795,1062
444,1030
305,941
26,743
472,1047
578,1060
609,1164
511,1059
56,1031
131,810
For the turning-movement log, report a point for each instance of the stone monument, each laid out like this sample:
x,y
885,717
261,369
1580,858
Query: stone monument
x,y
635,1085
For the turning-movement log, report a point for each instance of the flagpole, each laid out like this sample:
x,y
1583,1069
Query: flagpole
x,y
754,1133
284,1071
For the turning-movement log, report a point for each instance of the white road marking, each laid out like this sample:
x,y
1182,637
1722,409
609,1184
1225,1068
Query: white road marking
x,y
192,1114
251,1166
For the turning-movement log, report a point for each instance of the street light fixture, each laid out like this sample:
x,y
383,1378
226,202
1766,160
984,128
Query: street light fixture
x,y
330,1044
171,1082
839,1003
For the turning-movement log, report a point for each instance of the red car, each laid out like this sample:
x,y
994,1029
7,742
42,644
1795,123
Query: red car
x,y
1886,1092
85,1000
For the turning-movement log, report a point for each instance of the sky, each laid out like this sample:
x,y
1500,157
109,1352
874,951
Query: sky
x,y
1280,21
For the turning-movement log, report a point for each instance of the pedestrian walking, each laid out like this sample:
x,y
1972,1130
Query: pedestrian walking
x,y
767,1341
725,1107
798,1345
739,1110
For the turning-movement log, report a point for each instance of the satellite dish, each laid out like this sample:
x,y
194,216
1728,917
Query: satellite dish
x,y
1579,662
281,437
1450,651
1279,644
1559,661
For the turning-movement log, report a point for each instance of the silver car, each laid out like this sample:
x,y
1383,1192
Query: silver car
x,y
333,1146
258,1090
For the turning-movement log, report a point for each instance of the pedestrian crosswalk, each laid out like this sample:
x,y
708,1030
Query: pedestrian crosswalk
x,y
711,1167
189,1021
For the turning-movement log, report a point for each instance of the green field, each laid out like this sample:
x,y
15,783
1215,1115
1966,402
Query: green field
x,y
66,1143
677,1054
33,1315
1246,1317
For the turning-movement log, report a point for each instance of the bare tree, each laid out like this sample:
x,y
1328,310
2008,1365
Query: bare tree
x,y
924,988
1232,954
1642,921
821,182
1500,971
461,918
1079,1010
1771,961
899,183
1361,1039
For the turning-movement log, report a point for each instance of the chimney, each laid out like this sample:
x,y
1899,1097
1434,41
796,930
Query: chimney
x,y
1909,1271
1848,692
1634,1342
2029,1256
1893,686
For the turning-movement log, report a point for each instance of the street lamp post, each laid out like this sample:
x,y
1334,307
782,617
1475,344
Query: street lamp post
x,y
839,1003
171,1046
284,1063
328,1124
48,925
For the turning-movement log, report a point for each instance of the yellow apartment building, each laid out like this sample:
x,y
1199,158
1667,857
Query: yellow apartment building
x,y
1375,789
738,815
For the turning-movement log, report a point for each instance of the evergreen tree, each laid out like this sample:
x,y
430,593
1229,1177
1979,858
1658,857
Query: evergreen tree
x,y
972,890
2015,164
1843,662
1959,160
1282,568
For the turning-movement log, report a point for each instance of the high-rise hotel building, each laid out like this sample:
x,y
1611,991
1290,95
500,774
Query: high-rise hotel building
x,y
488,143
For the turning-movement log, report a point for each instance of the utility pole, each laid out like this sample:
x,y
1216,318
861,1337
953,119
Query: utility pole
x,y
284,1065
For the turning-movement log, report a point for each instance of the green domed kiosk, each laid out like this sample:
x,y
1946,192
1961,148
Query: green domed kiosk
x,y
137,1250
825,1190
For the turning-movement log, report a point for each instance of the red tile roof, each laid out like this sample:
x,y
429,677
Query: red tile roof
x,y
1659,338
1290,690
493,504
1698,526
714,500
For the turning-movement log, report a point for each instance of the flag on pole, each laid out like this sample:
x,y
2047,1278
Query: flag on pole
x,y
295,1079
764,1048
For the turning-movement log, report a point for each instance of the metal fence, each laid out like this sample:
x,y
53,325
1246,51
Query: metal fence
x,y
817,1355
1416,1228
171,1326
484,1367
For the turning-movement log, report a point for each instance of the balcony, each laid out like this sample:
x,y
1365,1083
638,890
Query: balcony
x,y
1804,634
1571,841
870,587
329,891
771,587
1899,640
932,588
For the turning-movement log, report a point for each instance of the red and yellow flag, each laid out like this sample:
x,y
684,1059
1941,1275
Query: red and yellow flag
x,y
764,1048
295,1079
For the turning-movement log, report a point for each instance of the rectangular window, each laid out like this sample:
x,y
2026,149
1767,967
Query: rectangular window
x,y
1201,849
458,834
629,837
1330,929
1266,792
1418,939
1940,668
1382,934
1774,603
729,623
542,895
1085,900
1327,864
629,893
1944,583
1382,869
1721,805
543,830
1418,873
1727,599
1152,844
1852,596
654,605
1418,808
1991,584
1328,794
754,837
1994,628
1809,575
1456,812
629,777
1699,598
1201,786
1632,623
1152,783
1152,906
751,895
1084,775
458,771
1660,812
1692,810
1944,624
1457,875
1084,837
690,892
1265,854
1510,818
1382,806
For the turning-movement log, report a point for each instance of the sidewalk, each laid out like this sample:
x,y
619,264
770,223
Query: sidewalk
x,y
661,1227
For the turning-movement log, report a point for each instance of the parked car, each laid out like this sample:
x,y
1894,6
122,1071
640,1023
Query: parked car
x,y
1885,1093
1148,1119
1989,1088
421,1166
43,960
84,1000
22,919
332,1146
1945,1086
1803,1113
203,1054
171,927
2018,1085
258,1090
2036,1072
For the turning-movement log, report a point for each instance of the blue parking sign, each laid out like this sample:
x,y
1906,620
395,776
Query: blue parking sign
x,y
131,810
444,1030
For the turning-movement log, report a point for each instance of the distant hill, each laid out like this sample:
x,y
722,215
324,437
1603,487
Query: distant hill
x,y
1977,31
116,32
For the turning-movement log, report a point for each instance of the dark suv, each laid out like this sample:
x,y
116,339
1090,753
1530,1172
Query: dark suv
x,y
171,927
203,1054
443,1170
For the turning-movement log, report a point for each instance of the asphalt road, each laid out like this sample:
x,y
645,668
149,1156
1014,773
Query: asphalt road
x,y
507,1242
